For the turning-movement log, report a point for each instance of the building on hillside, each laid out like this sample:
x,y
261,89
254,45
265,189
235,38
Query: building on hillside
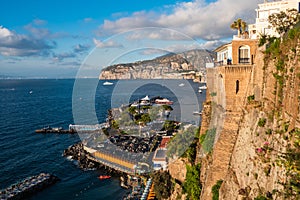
x,y
242,48
224,54
237,52
264,10
160,155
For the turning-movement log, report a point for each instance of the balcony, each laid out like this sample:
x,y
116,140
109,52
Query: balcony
x,y
245,61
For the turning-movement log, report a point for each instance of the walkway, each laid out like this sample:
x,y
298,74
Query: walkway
x,y
113,162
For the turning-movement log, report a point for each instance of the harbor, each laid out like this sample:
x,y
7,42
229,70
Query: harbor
x,y
130,143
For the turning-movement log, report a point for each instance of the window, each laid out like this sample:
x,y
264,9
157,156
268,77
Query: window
x,y
244,54
237,86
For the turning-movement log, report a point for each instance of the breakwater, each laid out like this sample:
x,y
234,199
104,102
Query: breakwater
x,y
28,186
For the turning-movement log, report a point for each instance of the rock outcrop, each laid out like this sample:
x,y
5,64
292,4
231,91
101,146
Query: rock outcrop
x,y
188,65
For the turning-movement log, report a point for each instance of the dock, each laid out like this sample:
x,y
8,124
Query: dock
x,y
74,129
49,129
28,186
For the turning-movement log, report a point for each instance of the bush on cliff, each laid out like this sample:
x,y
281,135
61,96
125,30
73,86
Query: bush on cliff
x,y
192,185
215,190
163,184
209,140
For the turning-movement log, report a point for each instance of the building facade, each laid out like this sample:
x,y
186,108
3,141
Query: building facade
x,y
264,10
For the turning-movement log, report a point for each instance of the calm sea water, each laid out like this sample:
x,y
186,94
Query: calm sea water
x,y
26,105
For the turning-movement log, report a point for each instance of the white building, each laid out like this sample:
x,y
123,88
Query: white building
x,y
262,26
159,159
224,53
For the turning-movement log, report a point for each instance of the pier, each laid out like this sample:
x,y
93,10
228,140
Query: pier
x,y
74,129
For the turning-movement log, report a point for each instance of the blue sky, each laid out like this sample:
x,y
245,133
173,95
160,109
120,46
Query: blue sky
x,y
53,38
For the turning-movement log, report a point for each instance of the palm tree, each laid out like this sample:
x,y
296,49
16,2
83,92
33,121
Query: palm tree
x,y
239,25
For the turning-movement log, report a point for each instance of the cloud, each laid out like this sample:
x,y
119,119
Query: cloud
x,y
35,30
13,44
71,63
153,52
212,44
61,56
198,19
81,48
157,34
137,20
87,20
39,22
106,44
38,32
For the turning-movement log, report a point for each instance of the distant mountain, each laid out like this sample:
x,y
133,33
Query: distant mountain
x,y
169,66
10,77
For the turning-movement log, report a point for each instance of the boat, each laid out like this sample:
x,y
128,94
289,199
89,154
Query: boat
x,y
203,87
197,113
181,84
108,83
200,91
163,101
103,177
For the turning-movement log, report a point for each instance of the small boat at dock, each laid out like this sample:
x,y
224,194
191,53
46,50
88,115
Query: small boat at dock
x,y
197,113
203,87
103,177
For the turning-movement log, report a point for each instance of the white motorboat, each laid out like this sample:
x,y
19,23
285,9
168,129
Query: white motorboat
x,y
108,83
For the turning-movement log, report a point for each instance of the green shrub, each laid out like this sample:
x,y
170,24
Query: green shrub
x,y
280,65
215,190
262,40
251,98
202,138
262,122
209,140
260,197
269,131
192,185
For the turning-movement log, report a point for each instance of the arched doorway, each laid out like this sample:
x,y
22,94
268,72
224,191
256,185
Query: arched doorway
x,y
244,54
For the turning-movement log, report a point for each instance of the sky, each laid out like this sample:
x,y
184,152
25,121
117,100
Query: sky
x,y
54,39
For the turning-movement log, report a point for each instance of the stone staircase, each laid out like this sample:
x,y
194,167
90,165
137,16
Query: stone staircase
x,y
222,152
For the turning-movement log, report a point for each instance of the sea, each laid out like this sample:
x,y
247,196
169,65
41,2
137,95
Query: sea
x,y
30,104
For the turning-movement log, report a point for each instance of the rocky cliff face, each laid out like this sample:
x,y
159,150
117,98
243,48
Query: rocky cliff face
x,y
258,151
170,66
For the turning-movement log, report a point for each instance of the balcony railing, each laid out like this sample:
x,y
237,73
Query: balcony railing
x,y
244,60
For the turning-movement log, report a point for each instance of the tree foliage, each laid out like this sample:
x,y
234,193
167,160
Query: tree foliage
x,y
215,190
239,25
167,107
170,125
163,184
284,21
192,185
181,142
